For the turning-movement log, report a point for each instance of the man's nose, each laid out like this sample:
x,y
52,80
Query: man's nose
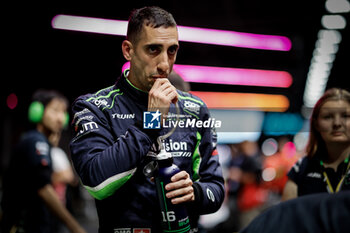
x,y
163,63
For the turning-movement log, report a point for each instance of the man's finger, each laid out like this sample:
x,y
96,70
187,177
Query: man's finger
x,y
179,184
180,192
180,175
186,198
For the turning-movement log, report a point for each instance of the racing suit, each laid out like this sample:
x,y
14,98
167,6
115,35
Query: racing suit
x,y
111,147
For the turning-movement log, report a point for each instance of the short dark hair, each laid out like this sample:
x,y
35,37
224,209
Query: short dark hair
x,y
45,96
150,16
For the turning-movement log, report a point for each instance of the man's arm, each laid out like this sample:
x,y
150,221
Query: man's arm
x,y
48,194
206,194
209,189
103,162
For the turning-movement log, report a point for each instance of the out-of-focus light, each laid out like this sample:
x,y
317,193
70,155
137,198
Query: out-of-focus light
x,y
329,37
237,126
244,101
323,58
333,21
269,174
300,140
231,76
12,101
338,6
234,76
188,34
328,48
89,24
125,66
237,137
314,88
324,54
269,147
289,149
282,123
232,38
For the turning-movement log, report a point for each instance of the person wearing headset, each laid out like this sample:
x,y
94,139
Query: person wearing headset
x,y
29,199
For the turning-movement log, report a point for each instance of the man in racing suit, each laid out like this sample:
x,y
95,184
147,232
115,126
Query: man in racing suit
x,y
111,146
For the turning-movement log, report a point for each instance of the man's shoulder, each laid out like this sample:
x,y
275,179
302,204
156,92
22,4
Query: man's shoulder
x,y
189,97
102,93
102,99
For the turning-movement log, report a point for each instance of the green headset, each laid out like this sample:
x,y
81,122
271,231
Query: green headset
x,y
36,112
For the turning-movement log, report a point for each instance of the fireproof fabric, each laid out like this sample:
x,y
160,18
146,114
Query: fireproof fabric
x,y
111,147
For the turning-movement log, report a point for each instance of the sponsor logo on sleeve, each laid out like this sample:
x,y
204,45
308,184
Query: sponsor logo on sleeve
x,y
191,106
210,195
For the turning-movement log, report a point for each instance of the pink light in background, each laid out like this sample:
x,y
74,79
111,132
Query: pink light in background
x,y
188,34
231,76
232,38
125,66
234,76
12,101
289,149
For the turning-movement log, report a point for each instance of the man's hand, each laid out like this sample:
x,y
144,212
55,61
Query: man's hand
x,y
180,189
161,95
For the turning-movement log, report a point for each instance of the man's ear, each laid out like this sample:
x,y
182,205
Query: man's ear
x,y
127,49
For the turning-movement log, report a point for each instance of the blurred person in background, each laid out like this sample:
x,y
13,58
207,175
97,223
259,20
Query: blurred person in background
x,y
244,194
251,195
280,163
326,166
29,198
62,175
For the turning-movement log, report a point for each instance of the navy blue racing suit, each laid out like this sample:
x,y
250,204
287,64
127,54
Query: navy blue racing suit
x,y
111,147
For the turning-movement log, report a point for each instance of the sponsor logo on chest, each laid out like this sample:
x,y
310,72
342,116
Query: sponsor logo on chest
x,y
123,116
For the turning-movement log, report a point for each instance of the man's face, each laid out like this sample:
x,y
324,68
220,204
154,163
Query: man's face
x,y
54,115
153,56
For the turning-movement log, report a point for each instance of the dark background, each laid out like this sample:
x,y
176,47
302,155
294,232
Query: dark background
x,y
37,56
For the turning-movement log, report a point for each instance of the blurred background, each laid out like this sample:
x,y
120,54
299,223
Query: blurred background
x,y
260,71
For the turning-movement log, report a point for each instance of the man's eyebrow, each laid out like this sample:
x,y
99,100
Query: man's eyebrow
x,y
174,46
160,45
155,45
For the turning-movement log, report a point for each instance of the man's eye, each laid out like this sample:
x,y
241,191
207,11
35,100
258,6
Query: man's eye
x,y
152,49
172,51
